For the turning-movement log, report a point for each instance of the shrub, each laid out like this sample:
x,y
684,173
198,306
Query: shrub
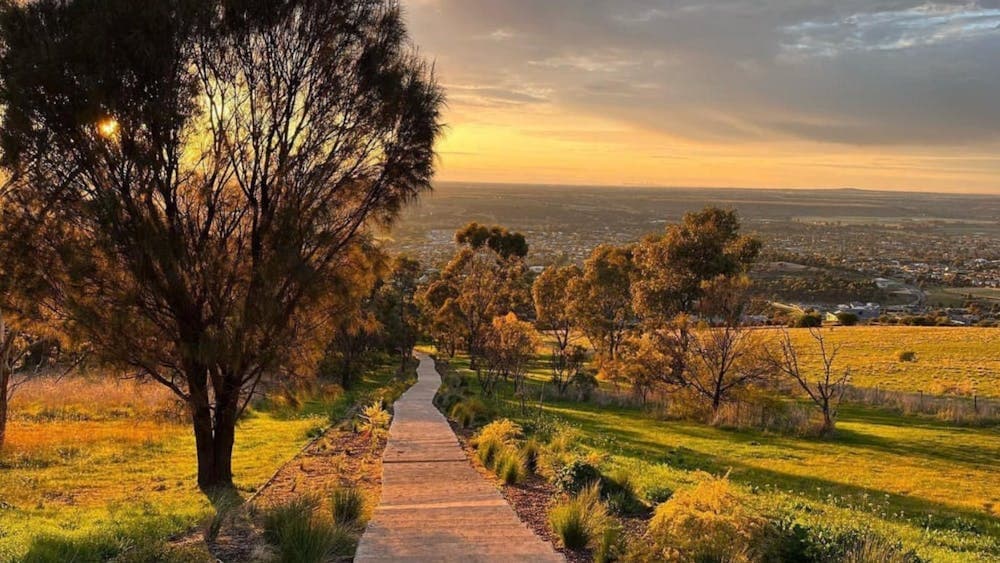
x,y
494,438
576,476
608,546
530,452
807,320
509,466
582,520
448,400
584,382
503,430
707,522
470,412
569,524
872,547
658,494
906,356
618,491
347,505
855,546
301,537
375,421
488,450
847,319
769,413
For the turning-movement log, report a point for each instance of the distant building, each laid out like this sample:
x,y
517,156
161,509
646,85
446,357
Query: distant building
x,y
864,311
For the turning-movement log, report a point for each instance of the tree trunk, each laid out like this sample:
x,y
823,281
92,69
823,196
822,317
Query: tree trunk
x,y
3,409
828,423
214,438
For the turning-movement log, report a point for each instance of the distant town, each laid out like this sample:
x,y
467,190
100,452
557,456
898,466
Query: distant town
x,y
880,256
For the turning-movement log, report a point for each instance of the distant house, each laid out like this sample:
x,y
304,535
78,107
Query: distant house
x,y
864,311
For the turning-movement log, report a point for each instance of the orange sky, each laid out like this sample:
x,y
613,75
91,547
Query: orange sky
x,y
564,147
614,100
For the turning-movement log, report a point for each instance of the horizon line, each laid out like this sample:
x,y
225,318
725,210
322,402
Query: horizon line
x,y
724,188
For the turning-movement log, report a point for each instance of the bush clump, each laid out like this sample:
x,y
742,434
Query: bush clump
x,y
470,412
792,541
509,466
576,476
531,451
348,506
659,494
707,522
302,537
582,521
810,319
497,448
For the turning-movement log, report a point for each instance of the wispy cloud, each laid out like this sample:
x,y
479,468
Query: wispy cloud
x,y
898,75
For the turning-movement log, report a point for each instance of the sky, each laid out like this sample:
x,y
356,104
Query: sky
x,y
876,94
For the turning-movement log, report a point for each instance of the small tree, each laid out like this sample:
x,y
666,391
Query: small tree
x,y
552,295
827,387
497,238
726,356
477,285
673,267
397,310
13,349
601,300
509,346
565,365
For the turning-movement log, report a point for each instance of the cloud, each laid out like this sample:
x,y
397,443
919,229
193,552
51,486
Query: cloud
x,y
866,73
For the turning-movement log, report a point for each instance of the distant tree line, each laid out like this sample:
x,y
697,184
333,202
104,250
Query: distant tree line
x,y
668,313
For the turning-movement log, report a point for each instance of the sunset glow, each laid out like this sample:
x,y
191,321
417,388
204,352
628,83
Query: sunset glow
x,y
806,95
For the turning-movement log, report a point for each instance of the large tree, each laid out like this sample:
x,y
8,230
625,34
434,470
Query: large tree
x,y
601,299
552,296
190,173
397,310
478,284
672,267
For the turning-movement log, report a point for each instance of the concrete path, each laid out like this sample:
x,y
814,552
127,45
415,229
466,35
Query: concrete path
x,y
435,506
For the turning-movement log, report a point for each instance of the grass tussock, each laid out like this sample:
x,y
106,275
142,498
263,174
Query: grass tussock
x,y
300,535
348,506
582,521
509,466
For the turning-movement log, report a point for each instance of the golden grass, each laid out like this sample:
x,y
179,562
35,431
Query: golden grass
x,y
93,457
94,397
949,361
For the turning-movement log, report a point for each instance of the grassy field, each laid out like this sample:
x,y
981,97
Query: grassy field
x,y
107,463
962,361
932,485
959,296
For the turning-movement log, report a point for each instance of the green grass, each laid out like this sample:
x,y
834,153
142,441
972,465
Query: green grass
x,y
929,484
105,485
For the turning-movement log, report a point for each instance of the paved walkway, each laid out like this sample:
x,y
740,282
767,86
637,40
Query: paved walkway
x,y
435,506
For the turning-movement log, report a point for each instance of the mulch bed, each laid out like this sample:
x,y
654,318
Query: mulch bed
x,y
531,499
341,457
